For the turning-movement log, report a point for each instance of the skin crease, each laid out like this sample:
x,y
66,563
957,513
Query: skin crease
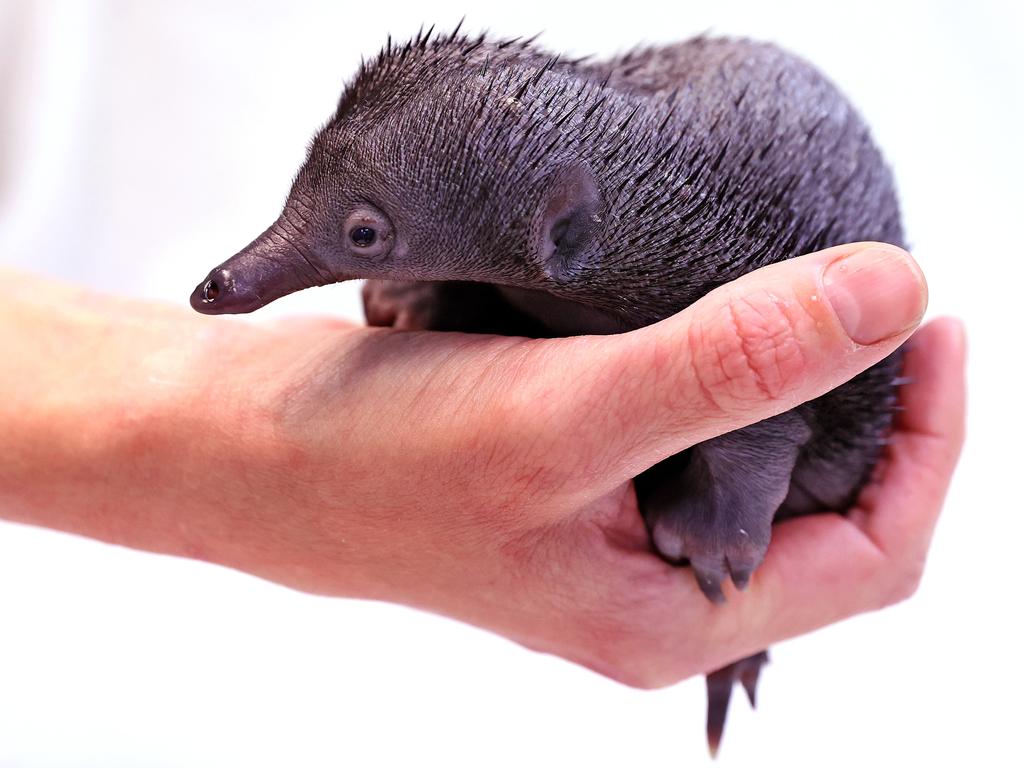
x,y
510,505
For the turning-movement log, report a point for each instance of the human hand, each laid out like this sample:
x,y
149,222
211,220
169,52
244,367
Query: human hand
x,y
488,478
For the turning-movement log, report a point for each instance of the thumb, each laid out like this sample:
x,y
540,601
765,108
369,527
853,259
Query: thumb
x,y
749,350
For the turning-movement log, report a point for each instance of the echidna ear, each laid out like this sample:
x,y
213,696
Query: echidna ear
x,y
570,219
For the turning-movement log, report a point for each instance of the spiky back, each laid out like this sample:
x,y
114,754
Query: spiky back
x,y
398,71
761,159
714,157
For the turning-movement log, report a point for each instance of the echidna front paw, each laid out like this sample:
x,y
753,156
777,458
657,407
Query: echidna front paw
x,y
401,304
717,546
713,505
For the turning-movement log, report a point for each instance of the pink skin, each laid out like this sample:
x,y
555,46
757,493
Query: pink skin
x,y
485,478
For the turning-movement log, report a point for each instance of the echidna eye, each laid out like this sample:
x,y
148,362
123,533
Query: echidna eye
x,y
363,236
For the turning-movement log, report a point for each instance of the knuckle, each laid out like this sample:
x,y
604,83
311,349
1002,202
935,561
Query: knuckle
x,y
755,356
637,676
556,410
900,583
625,660
644,666
521,450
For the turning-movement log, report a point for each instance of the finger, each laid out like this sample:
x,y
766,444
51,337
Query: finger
x,y
824,568
900,513
751,349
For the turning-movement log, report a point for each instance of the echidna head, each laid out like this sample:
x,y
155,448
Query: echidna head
x,y
455,177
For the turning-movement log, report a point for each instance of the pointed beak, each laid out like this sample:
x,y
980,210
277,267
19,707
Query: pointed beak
x,y
270,267
218,294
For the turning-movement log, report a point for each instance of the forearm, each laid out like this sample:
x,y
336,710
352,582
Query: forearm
x,y
116,427
86,397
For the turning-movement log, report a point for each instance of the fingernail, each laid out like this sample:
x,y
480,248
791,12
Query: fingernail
x,y
876,293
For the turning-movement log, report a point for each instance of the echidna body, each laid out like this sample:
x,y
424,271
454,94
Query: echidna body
x,y
489,186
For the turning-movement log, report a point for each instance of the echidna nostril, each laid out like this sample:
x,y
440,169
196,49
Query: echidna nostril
x,y
211,290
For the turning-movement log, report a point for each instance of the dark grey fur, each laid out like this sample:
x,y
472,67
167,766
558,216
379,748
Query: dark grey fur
x,y
515,192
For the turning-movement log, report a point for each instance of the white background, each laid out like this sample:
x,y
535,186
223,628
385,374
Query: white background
x,y
141,144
